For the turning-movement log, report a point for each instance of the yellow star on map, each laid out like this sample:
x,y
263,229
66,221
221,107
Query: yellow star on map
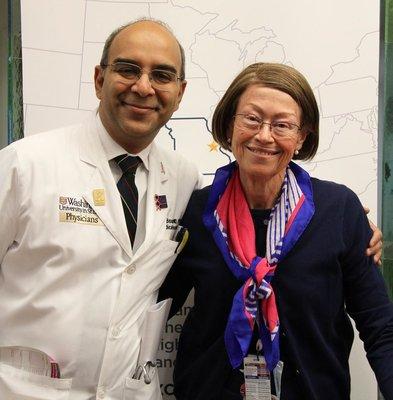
x,y
213,146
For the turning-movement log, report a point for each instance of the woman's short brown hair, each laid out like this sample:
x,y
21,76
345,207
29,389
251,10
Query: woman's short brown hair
x,y
275,76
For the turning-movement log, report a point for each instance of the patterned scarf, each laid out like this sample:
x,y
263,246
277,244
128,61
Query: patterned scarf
x,y
227,216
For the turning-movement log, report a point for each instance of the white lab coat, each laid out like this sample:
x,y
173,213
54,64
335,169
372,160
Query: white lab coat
x,y
76,290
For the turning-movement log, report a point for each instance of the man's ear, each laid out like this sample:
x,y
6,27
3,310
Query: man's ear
x,y
98,80
180,93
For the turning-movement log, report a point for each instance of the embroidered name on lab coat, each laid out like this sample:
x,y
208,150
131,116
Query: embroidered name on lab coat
x,y
77,210
172,223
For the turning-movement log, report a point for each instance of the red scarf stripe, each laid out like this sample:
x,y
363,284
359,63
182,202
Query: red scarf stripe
x,y
294,213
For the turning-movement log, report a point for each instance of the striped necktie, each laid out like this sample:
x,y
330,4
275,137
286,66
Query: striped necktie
x,y
128,191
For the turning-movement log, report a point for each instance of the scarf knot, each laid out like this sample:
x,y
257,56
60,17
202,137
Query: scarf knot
x,y
259,293
260,269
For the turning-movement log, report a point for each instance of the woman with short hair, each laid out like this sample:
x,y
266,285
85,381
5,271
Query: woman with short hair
x,y
276,257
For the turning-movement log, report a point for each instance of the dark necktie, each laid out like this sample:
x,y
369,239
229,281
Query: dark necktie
x,y
128,191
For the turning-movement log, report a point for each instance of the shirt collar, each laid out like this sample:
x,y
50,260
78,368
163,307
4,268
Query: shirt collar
x,y
112,149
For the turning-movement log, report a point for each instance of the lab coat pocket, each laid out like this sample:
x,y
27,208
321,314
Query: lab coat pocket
x,y
156,264
169,250
17,384
137,389
169,246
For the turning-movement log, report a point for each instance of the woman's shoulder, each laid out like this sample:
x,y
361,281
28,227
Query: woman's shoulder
x,y
320,185
196,204
200,195
331,191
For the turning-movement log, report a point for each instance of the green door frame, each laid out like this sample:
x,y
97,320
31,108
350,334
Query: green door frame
x,y
385,141
15,82
386,138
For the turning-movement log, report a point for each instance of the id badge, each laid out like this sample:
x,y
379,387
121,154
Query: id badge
x,y
257,378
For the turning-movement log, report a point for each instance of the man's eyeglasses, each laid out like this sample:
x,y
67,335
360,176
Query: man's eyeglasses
x,y
253,124
160,79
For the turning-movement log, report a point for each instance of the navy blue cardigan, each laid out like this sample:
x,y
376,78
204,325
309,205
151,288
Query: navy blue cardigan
x,y
325,277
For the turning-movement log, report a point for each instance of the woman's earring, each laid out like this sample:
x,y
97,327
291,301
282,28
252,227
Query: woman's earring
x,y
296,152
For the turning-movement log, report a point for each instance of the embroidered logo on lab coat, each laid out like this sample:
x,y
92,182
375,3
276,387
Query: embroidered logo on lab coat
x,y
160,201
77,210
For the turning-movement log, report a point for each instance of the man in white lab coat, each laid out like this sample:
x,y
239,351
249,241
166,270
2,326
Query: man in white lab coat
x,y
72,287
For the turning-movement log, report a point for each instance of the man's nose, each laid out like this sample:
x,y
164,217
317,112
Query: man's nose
x,y
143,85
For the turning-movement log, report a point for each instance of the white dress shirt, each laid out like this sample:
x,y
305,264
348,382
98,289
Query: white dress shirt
x,y
112,149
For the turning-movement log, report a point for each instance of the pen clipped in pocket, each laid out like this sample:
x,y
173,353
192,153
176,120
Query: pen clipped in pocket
x,y
180,236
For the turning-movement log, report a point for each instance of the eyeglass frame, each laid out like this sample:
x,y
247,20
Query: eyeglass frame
x,y
153,83
271,127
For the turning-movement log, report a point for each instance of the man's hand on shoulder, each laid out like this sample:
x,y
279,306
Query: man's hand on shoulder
x,y
375,245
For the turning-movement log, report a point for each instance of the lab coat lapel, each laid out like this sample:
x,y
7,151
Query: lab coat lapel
x,y
98,175
156,185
